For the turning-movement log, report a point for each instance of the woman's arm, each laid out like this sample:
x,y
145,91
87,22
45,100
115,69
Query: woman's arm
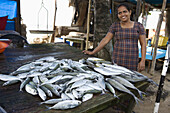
x,y
142,40
103,42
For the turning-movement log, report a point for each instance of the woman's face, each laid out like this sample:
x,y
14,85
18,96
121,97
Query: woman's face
x,y
123,14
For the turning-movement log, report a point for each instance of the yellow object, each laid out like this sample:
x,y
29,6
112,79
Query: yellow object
x,y
162,41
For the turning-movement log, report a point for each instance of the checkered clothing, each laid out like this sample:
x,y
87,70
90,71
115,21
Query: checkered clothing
x,y
125,52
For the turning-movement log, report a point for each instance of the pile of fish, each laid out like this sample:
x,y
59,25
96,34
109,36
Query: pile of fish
x,y
65,83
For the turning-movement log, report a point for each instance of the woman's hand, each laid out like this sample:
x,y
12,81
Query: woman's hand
x,y
141,66
88,52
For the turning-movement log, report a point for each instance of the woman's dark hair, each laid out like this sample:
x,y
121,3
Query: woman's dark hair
x,y
125,5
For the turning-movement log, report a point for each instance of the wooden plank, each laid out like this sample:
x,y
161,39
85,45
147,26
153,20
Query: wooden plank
x,y
42,31
138,9
157,36
88,24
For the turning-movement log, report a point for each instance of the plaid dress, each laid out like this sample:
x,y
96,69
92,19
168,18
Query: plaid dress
x,y
125,51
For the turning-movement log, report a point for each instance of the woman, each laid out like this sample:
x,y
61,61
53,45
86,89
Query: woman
x,y
126,34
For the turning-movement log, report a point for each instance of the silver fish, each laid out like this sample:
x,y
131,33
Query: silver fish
x,y
22,69
120,87
46,59
23,83
111,89
66,104
65,97
10,82
34,74
47,91
54,66
31,89
41,93
36,80
105,71
127,84
52,101
4,77
78,83
52,89
55,79
86,97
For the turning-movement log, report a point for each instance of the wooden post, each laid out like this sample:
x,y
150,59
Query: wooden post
x,y
88,25
54,28
18,23
138,8
156,38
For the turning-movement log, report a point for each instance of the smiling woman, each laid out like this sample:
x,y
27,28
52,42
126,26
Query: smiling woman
x,y
126,34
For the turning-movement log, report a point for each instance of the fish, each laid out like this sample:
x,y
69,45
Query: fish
x,y
52,101
31,89
119,68
140,75
87,97
54,65
41,93
111,89
5,77
65,97
52,88
67,83
76,94
23,83
34,74
128,84
47,59
78,83
105,71
55,79
36,80
10,82
24,68
120,87
47,91
66,104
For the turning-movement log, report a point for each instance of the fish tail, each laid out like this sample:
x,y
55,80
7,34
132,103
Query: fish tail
x,y
48,108
116,96
152,82
41,103
137,100
20,90
141,94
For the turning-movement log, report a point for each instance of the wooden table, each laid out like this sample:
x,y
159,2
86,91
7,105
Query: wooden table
x,y
14,101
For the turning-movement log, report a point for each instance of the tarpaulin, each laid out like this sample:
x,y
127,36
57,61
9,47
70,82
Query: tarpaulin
x,y
8,8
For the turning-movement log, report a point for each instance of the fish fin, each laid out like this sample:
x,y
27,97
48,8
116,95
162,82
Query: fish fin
x,y
116,96
48,108
140,93
41,103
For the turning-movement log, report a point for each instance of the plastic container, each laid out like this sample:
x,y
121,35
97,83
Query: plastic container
x,y
162,41
4,43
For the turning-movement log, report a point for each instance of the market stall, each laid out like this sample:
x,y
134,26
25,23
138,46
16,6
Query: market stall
x,y
15,101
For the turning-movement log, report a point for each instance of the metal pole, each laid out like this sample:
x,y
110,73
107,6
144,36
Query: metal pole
x,y
160,88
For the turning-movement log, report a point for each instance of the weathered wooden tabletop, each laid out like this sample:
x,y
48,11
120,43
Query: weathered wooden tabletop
x,y
14,101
